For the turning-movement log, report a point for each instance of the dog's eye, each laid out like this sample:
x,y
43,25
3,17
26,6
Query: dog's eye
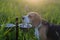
x,y
30,16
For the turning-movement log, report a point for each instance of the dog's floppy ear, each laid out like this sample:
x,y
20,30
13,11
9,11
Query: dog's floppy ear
x,y
37,19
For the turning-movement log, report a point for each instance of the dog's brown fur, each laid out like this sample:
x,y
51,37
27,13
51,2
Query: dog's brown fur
x,y
36,20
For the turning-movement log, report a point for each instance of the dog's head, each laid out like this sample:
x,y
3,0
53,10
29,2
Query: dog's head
x,y
33,18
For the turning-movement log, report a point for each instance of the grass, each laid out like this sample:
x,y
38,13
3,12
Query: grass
x,y
10,9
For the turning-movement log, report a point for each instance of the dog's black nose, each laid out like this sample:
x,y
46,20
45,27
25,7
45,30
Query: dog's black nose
x,y
23,18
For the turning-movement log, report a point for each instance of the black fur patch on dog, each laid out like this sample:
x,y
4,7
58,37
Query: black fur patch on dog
x,y
53,32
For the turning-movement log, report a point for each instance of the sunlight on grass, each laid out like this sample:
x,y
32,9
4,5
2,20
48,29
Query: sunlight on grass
x,y
34,2
10,9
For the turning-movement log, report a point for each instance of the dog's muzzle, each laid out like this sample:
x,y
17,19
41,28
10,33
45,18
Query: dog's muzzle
x,y
26,19
26,22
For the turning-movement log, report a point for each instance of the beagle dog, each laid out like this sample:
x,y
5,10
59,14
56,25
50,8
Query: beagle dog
x,y
43,29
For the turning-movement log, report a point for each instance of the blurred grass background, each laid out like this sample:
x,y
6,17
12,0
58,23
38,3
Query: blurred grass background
x,y
10,9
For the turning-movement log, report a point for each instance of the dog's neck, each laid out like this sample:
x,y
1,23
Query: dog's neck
x,y
37,30
38,27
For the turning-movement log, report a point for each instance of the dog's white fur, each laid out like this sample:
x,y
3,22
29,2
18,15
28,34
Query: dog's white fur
x,y
35,19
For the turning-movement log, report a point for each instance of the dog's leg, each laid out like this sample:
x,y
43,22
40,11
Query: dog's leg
x,y
43,31
37,33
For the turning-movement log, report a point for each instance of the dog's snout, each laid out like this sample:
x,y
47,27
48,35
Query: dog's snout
x,y
23,18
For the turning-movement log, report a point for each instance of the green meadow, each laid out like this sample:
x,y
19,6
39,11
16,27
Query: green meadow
x,y
10,9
